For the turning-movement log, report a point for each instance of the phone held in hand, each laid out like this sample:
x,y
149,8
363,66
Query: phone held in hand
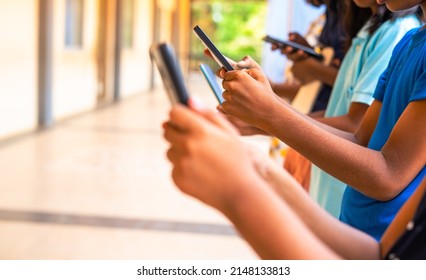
x,y
282,44
212,81
217,55
170,71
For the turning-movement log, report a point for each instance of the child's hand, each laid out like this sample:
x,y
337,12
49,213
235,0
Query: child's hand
x,y
209,160
248,95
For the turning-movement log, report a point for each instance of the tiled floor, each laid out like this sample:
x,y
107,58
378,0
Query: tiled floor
x,y
98,187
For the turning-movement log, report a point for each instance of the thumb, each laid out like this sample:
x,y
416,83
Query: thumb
x,y
248,63
257,74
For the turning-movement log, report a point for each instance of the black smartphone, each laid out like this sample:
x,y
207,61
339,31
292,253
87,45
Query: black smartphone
x,y
217,55
212,81
281,44
164,57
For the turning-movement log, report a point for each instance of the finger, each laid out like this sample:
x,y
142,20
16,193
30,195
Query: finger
x,y
220,110
301,54
173,135
227,95
233,75
257,75
288,50
172,154
208,53
185,119
248,63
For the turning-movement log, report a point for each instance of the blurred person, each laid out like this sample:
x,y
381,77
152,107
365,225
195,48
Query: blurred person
x,y
368,56
325,31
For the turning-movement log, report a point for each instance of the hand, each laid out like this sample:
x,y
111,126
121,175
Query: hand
x,y
244,128
290,52
297,38
209,160
248,95
301,70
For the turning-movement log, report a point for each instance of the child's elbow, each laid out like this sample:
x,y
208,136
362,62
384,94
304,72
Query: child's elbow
x,y
389,191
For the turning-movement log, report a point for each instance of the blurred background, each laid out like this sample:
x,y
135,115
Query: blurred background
x,y
81,106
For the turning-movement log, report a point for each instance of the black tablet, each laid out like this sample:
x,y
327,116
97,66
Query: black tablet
x,y
212,81
217,55
296,46
170,71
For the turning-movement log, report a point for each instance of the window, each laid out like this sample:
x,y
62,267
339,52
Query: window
x,y
74,23
236,27
127,38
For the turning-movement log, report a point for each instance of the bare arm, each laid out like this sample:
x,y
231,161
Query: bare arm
x,y
348,122
272,228
388,170
310,69
286,90
348,242
213,165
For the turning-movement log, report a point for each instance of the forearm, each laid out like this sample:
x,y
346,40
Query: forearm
x,y
317,120
315,70
340,122
326,74
348,122
287,90
344,240
263,220
325,147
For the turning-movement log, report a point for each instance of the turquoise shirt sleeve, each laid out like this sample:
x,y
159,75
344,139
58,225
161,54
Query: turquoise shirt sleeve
x,y
377,56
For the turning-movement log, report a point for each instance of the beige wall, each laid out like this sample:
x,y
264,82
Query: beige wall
x,y
74,87
18,62
75,72
135,68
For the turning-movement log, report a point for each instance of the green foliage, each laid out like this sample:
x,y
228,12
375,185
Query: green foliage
x,y
236,27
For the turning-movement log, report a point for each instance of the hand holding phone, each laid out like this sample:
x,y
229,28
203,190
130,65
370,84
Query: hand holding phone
x,y
282,44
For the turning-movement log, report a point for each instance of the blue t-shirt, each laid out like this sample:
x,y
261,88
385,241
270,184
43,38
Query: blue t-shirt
x,y
404,81
356,82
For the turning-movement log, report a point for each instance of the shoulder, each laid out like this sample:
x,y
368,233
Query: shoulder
x,y
397,27
392,32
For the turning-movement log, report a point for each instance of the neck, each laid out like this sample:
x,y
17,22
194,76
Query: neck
x,y
373,9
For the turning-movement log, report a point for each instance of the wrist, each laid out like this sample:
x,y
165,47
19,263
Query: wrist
x,y
271,116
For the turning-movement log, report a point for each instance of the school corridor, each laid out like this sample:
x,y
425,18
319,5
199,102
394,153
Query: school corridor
x,y
84,173
98,186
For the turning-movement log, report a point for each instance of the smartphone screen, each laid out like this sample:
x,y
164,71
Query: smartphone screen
x,y
296,46
217,55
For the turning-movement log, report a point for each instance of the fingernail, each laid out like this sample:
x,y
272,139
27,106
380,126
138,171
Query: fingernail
x,y
242,64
